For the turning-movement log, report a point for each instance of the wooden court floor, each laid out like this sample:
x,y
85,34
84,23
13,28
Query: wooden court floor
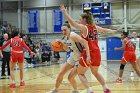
x,y
42,79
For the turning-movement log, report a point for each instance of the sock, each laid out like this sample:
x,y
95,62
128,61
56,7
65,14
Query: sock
x,y
56,89
104,87
89,89
75,90
13,81
120,77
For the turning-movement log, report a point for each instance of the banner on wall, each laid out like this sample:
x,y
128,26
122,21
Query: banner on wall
x,y
33,21
57,20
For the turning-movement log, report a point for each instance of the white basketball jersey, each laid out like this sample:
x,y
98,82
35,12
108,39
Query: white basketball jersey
x,y
72,45
136,42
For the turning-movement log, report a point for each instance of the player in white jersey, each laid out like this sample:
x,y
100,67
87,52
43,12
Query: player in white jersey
x,y
71,42
136,41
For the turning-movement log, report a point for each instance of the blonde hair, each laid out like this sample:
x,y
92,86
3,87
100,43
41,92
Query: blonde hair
x,y
89,18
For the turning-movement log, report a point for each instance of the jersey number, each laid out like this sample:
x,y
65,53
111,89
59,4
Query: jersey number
x,y
131,44
16,43
94,35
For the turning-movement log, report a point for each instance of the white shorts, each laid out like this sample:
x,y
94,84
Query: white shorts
x,y
72,62
137,54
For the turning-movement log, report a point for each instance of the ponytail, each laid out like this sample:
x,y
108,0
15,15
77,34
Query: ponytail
x,y
89,18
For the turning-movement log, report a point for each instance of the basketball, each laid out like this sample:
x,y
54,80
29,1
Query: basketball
x,y
57,45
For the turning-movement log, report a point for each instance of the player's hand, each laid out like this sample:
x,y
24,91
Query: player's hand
x,y
88,59
62,8
32,53
65,47
115,48
1,55
59,40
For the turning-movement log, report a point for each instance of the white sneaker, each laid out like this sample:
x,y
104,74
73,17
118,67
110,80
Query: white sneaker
x,y
53,91
132,74
90,91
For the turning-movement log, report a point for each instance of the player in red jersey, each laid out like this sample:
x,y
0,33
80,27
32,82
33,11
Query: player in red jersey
x,y
89,31
17,55
129,55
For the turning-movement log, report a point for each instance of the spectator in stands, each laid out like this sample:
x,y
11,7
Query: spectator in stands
x,y
46,56
56,55
37,51
43,47
27,57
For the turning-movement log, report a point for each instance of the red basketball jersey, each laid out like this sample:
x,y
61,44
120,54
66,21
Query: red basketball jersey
x,y
92,37
17,45
129,45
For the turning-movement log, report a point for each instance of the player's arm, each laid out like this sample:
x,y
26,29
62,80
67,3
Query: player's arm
x,y
1,55
65,47
26,47
81,27
75,37
5,45
123,46
105,30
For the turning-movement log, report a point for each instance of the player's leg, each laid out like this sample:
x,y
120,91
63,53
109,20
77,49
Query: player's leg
x,y
136,68
81,73
121,70
137,61
21,64
95,63
99,77
21,67
12,66
66,67
134,63
72,80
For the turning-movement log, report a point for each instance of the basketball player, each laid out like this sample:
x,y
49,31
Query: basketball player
x,y
136,41
129,55
71,42
89,31
17,55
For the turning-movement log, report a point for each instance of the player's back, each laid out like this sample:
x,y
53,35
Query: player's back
x,y
16,44
92,37
130,46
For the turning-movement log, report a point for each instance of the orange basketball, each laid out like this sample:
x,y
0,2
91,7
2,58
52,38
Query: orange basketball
x,y
57,45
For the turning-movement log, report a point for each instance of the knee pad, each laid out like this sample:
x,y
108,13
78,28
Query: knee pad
x,y
122,66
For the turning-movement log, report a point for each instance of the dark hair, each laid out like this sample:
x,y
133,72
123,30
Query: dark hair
x,y
14,33
67,24
89,18
125,33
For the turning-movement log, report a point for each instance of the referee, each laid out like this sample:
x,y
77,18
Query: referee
x,y
5,57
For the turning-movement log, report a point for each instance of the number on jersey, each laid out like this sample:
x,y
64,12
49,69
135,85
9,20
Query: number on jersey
x,y
131,44
16,43
93,34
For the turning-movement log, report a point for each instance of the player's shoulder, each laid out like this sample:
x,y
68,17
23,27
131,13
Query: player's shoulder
x,y
72,33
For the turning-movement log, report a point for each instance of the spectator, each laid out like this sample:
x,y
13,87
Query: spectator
x,y
46,56
37,51
27,56
56,55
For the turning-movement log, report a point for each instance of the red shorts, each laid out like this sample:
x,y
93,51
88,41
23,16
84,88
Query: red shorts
x,y
95,58
129,56
17,57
